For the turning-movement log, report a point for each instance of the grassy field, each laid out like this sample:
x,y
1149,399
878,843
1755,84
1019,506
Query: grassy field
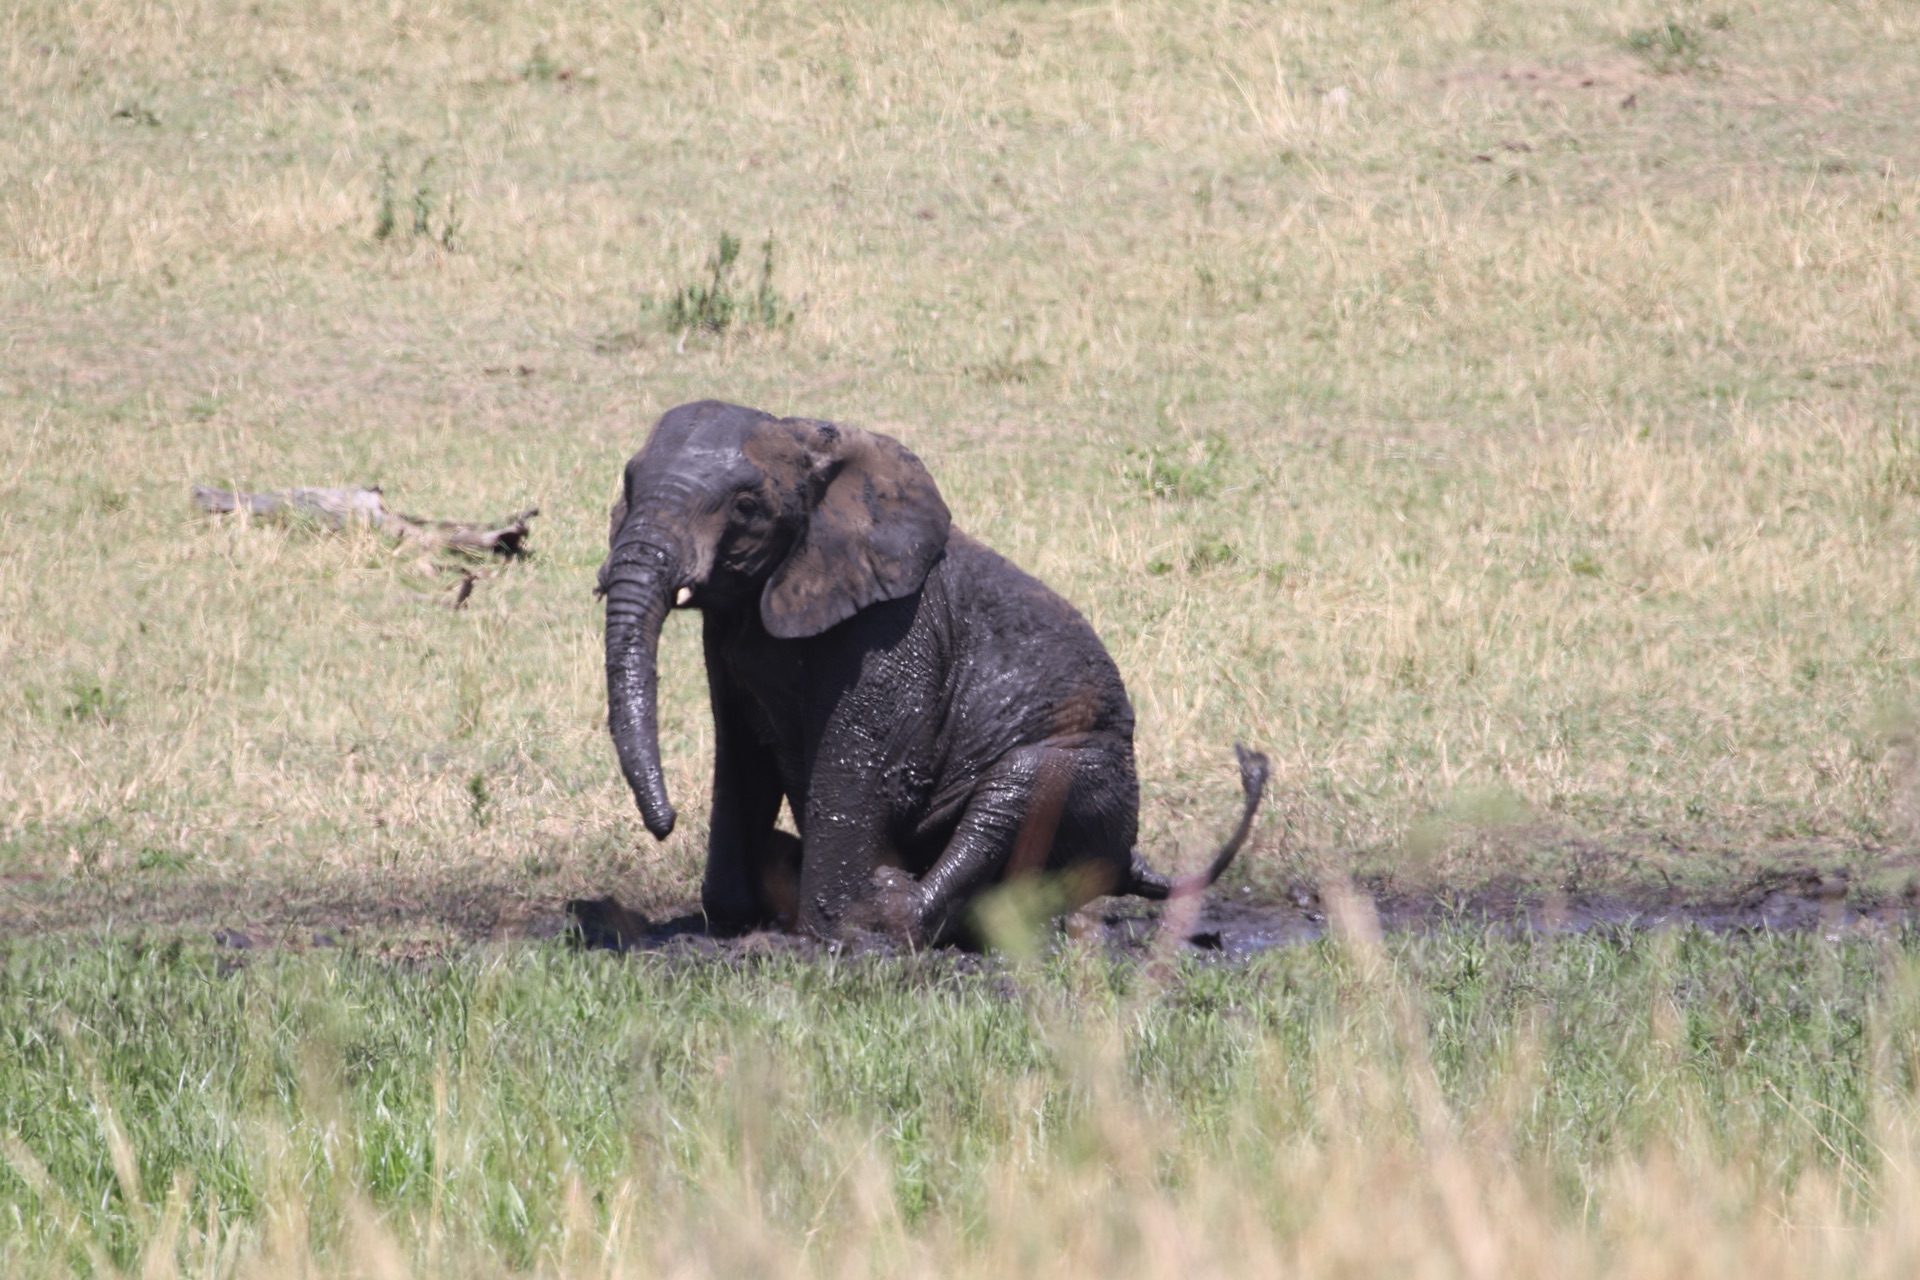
x,y
1456,1105
1494,411
1501,413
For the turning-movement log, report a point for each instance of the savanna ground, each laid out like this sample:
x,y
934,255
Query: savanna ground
x,y
1500,413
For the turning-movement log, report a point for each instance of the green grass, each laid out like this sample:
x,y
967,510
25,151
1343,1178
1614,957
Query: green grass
x,y
509,1104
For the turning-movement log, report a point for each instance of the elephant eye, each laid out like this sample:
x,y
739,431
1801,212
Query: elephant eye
x,y
746,505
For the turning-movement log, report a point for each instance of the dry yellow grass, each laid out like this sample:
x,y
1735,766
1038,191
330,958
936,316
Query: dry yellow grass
x,y
1512,438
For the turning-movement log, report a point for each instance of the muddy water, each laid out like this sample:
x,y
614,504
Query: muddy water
x,y
436,918
1238,928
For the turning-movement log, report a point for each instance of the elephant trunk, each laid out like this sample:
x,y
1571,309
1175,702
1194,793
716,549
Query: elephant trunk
x,y
640,587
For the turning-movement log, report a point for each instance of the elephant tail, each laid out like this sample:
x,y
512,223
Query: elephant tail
x,y
1150,884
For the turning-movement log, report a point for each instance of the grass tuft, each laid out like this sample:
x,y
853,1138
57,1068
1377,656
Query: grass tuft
x,y
713,306
1185,470
1677,44
89,699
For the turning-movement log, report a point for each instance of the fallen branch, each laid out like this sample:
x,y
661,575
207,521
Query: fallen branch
x,y
337,508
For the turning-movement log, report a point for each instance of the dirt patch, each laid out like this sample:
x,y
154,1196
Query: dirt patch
x,y
309,908
1545,80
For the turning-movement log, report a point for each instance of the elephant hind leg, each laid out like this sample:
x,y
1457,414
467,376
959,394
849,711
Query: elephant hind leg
x,y
1041,808
780,878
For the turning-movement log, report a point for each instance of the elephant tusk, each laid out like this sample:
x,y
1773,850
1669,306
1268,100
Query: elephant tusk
x,y
681,597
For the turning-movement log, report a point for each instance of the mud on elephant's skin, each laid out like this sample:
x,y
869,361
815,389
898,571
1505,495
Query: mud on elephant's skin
x,y
936,720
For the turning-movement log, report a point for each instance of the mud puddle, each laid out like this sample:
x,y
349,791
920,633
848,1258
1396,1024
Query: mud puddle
x,y
1237,928
407,921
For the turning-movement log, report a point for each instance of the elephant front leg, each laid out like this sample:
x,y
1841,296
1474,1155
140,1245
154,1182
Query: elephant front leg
x,y
1007,831
746,856
742,889
839,853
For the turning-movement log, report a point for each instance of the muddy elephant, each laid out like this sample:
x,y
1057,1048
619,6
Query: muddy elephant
x,y
936,720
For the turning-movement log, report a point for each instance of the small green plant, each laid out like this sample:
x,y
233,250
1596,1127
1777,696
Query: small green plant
x,y
1177,471
135,113
1211,552
151,859
479,800
88,699
386,214
713,306
1678,44
423,200
540,65
383,220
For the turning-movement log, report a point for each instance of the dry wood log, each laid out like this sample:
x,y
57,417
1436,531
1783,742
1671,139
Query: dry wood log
x,y
337,508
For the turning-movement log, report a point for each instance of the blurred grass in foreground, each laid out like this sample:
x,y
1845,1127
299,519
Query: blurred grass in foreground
x,y
1455,1104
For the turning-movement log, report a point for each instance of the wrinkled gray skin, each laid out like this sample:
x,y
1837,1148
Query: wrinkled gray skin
x,y
936,720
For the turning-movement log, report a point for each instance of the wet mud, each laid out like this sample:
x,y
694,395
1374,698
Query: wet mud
x,y
1236,928
244,919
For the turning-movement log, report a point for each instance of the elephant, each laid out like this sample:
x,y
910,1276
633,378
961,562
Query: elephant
x,y
936,720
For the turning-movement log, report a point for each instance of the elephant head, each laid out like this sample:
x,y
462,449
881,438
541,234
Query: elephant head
x,y
727,508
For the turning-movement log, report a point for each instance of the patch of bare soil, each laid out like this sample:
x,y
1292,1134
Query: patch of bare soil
x,y
290,911
1548,80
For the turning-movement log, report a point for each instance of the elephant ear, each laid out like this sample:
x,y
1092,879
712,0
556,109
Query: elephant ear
x,y
873,534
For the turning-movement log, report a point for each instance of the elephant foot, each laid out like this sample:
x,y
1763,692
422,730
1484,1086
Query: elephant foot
x,y
899,906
